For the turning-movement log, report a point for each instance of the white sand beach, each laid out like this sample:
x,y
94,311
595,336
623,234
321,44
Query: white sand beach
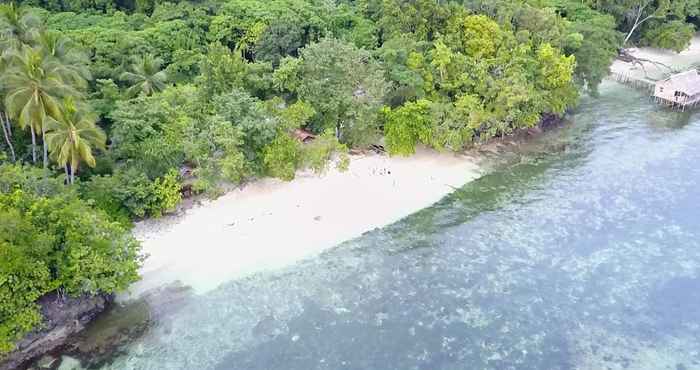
x,y
672,59
270,224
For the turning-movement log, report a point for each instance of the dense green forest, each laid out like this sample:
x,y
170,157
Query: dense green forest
x,y
104,102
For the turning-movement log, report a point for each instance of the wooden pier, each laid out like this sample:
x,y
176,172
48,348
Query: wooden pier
x,y
644,84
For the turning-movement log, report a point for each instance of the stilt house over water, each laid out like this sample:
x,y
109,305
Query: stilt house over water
x,y
680,91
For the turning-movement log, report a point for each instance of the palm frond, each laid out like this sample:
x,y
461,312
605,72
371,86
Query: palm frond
x,y
145,76
73,134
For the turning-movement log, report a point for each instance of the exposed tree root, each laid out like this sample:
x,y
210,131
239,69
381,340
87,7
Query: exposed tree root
x,y
626,57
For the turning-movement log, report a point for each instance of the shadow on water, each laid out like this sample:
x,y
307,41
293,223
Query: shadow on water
x,y
663,119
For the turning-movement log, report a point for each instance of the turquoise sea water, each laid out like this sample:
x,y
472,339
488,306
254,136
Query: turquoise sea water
x,y
580,250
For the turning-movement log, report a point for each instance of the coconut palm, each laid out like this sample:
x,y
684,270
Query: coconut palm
x,y
34,85
4,119
145,76
18,25
72,136
69,58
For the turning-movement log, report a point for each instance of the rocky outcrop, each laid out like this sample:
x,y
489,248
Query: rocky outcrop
x,y
125,322
66,338
63,318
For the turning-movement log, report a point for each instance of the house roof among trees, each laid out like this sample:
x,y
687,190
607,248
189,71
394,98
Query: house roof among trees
x,y
303,135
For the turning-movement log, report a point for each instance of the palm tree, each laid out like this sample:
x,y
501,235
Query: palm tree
x,y
145,76
4,119
72,137
73,61
18,25
34,84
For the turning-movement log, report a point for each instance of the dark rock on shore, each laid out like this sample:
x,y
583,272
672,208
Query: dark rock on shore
x,y
90,331
63,318
549,121
111,332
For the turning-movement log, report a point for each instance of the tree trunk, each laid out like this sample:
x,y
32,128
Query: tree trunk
x,y
634,28
46,146
65,168
72,175
638,22
31,128
7,137
629,35
9,124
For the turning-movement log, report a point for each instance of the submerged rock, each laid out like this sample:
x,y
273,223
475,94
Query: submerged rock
x,y
47,362
69,363
109,334
89,331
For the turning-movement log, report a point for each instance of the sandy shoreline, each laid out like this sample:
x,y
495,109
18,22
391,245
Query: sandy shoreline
x,y
270,224
681,60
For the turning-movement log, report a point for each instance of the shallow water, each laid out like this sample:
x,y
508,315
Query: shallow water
x,y
582,251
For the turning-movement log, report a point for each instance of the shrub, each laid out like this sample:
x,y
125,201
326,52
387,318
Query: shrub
x,y
674,35
214,147
129,194
234,167
406,126
167,194
281,157
28,178
23,277
101,192
320,152
57,242
249,115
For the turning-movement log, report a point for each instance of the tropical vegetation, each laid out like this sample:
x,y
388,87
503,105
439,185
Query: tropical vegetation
x,y
109,108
